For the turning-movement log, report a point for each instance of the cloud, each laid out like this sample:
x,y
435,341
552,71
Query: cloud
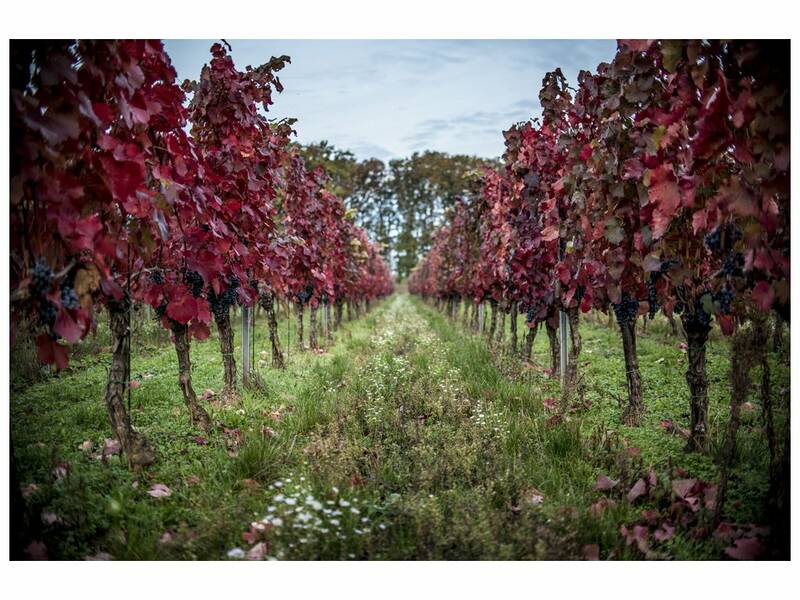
x,y
474,124
388,98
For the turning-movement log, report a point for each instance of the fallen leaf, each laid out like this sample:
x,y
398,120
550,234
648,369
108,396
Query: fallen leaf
x,y
639,488
60,471
553,420
159,490
745,549
166,537
111,447
604,483
663,533
651,516
50,518
192,480
86,446
208,393
257,552
599,507
29,490
682,487
591,552
533,496
549,403
200,440
36,551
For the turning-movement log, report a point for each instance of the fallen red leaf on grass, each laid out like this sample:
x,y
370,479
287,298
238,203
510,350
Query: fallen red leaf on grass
x,y
591,552
745,549
159,490
604,483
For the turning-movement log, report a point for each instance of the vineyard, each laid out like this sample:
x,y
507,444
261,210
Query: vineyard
x,y
216,353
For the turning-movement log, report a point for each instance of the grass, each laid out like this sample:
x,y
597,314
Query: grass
x,y
409,438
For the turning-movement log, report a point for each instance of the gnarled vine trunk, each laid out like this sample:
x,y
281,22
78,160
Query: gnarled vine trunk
x,y
555,350
137,449
530,337
312,328
197,414
571,381
328,322
349,310
673,325
501,331
338,310
513,315
493,322
225,332
632,415
696,337
267,302
745,346
298,311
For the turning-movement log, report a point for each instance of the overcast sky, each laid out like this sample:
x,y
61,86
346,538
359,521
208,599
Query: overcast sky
x,y
390,98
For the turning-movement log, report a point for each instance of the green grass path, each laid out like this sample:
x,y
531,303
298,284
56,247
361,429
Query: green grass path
x,y
408,439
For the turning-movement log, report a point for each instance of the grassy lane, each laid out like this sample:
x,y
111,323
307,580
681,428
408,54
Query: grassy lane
x,y
409,439
215,480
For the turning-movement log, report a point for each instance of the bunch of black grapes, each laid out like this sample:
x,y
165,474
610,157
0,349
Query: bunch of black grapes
x,y
222,302
41,281
652,292
194,280
305,294
697,318
723,237
723,299
627,310
733,263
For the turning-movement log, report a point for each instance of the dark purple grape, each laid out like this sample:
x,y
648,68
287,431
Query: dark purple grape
x,y
41,277
627,310
69,298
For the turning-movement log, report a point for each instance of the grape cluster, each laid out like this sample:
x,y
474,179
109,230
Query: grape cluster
x,y
529,315
668,264
723,298
652,293
732,264
325,299
47,316
220,304
41,277
627,310
304,295
195,282
713,240
579,293
69,298
728,233
699,318
156,277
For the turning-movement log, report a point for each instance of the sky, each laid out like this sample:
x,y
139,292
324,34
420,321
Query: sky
x,y
389,98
